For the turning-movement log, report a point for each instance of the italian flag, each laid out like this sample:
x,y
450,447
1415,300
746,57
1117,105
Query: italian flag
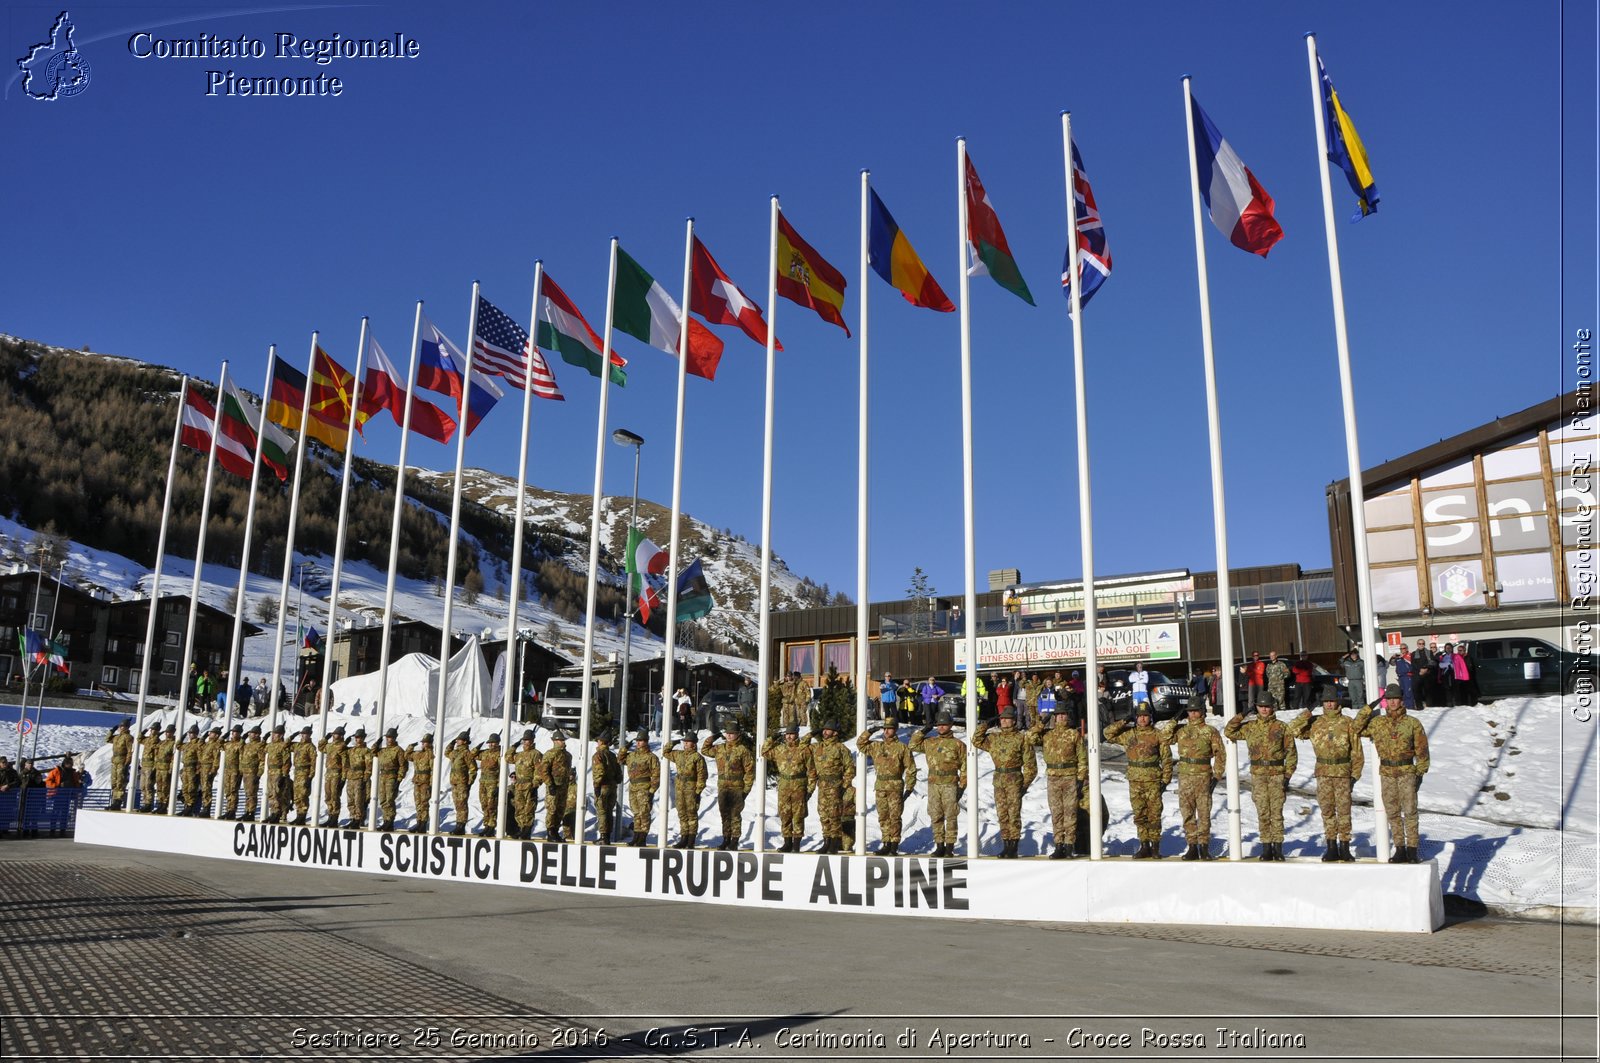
x,y
644,556
236,439
644,310
560,327
987,249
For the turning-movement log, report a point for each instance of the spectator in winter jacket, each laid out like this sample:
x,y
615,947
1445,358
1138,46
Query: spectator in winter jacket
x,y
929,694
1422,675
1402,676
1355,676
1303,673
1255,678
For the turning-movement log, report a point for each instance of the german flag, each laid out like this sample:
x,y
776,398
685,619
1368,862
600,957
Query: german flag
x,y
286,397
805,277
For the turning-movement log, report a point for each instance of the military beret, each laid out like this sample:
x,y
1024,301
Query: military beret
x,y
1392,691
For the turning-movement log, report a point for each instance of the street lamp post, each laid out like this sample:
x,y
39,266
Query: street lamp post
x,y
628,439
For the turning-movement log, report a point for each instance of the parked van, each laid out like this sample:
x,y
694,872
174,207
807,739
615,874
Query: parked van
x,y
563,703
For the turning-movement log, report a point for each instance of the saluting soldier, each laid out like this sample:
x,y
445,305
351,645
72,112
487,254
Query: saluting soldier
x,y
605,773
489,785
1011,751
304,755
210,762
392,765
358,778
1277,676
895,779
148,797
644,778
250,755
947,780
1066,768
836,772
121,743
736,774
796,696
1402,748
231,748
1149,772
793,760
463,769
276,759
332,748
555,774
421,758
166,748
189,767
525,761
1337,744
690,784
1202,762
1272,762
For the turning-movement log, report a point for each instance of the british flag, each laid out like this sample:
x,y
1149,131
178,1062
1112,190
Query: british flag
x,y
501,348
1095,255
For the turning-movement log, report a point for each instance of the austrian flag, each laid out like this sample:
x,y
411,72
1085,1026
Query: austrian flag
x,y
716,298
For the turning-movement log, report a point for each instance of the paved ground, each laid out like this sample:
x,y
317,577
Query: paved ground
x,y
112,954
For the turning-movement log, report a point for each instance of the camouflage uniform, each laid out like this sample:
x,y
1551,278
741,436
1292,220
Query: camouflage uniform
x,y
836,770
690,767
736,774
276,759
229,796
489,784
1202,763
847,821
149,796
1278,681
161,768
1010,750
644,779
392,765
421,757
1337,744
605,775
189,768
947,779
555,774
1066,769
896,776
304,753
1272,762
796,697
121,751
797,777
1402,748
525,786
333,767
358,776
1149,772
463,769
210,762
250,758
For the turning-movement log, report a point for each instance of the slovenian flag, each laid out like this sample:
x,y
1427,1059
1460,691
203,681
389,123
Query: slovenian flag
x,y
1239,206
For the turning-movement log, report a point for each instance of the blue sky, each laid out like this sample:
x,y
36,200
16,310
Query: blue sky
x,y
153,221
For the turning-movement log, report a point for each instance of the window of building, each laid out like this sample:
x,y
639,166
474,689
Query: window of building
x,y
1394,590
169,667
134,675
801,657
1390,510
1398,545
1520,533
1459,473
839,656
40,621
174,638
109,676
1523,461
1525,577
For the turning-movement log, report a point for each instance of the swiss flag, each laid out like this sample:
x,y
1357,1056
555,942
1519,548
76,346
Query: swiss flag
x,y
717,299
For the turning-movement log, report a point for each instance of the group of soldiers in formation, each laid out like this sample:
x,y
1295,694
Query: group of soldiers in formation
x,y
818,763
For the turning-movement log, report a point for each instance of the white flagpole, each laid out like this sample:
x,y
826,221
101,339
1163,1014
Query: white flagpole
x,y
1218,505
863,602
131,791
513,695
581,829
450,565
970,562
171,796
394,553
764,650
1352,447
674,563
1085,511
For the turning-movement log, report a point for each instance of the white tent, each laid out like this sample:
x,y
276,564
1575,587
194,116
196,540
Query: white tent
x,y
414,687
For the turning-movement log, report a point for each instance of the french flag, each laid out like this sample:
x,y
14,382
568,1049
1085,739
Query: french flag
x,y
1239,206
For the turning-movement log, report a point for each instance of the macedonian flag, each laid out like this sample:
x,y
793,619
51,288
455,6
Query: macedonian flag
x,y
805,277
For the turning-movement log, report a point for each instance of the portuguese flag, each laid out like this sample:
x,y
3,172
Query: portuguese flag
x,y
987,249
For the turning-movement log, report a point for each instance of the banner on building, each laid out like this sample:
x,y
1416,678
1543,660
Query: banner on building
x,y
1044,649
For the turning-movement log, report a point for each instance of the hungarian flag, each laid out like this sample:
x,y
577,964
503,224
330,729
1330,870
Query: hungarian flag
x,y
805,277
988,253
501,348
287,396
385,390
716,298
894,259
1240,208
57,657
644,310
562,328
240,422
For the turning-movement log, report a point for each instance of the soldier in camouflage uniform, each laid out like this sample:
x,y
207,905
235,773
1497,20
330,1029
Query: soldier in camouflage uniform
x,y
358,778
121,743
392,765
304,754
332,748
1272,762
463,769
1202,763
166,748
847,818
836,770
555,775
1337,744
1277,675
210,763
896,777
1402,748
1011,751
525,760
736,774
797,776
276,759
489,785
644,779
421,757
228,797
251,755
1066,769
1149,772
189,766
796,697
690,767
148,797
605,775
947,781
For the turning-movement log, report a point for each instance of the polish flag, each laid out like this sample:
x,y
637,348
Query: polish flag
x,y
717,299
1239,206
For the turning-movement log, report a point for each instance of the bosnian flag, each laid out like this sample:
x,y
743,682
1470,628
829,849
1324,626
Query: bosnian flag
x,y
1239,206
714,296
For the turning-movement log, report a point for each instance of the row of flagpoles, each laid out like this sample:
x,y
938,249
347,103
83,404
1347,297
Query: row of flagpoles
x,y
639,305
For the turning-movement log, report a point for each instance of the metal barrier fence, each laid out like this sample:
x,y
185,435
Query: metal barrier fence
x,y
38,810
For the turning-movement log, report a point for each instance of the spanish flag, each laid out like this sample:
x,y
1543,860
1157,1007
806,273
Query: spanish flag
x,y
805,277
896,261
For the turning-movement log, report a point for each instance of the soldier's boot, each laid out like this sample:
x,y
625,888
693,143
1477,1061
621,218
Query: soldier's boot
x,y
1266,852
420,825
557,836
1203,850
1144,851
1331,854
605,836
1193,852
1061,852
1277,852
890,849
1011,848
1344,852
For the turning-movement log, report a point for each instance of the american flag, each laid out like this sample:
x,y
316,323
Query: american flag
x,y
501,347
1096,256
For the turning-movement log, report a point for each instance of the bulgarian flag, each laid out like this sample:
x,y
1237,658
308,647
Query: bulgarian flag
x,y
240,422
560,326
987,249
644,310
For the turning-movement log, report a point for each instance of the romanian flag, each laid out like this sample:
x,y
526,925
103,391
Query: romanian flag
x,y
1345,149
805,277
287,397
896,261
